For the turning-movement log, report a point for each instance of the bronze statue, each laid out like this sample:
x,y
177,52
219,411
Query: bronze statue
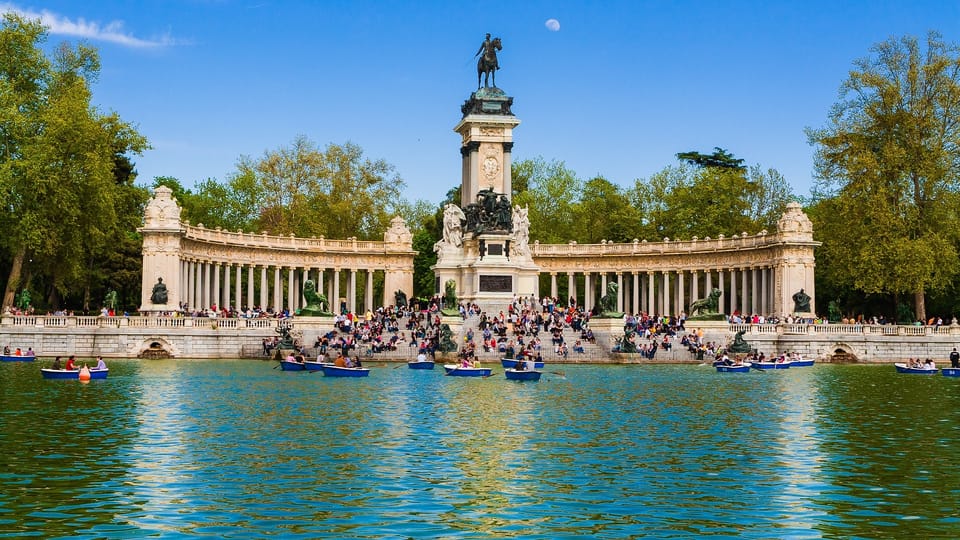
x,y
400,298
159,294
488,65
710,304
608,302
317,304
801,302
739,344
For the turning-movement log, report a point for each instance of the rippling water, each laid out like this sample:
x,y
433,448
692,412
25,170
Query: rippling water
x,y
237,449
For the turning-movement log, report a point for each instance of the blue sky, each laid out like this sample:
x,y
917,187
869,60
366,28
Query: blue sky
x,y
616,91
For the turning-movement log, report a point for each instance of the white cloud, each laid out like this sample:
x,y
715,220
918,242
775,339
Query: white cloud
x,y
111,32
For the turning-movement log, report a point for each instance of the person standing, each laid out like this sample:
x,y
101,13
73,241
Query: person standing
x,y
955,358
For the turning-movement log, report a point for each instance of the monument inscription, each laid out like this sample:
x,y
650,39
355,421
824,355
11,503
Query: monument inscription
x,y
496,283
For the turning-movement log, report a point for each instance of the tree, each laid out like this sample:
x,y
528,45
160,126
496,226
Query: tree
x,y
57,158
551,191
605,213
336,192
720,158
890,156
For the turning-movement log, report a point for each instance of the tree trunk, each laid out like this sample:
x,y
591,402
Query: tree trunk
x,y
13,281
920,306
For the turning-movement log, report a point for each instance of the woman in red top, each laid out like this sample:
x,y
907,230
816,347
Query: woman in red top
x,y
71,364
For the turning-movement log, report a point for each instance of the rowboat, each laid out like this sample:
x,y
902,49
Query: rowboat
x,y
454,370
315,366
287,365
770,365
73,373
420,364
950,372
512,363
16,358
903,368
522,375
742,368
336,371
801,363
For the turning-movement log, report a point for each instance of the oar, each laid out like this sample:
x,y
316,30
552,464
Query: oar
x,y
276,366
401,365
490,375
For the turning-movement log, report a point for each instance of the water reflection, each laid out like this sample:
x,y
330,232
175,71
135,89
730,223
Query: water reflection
x,y
237,449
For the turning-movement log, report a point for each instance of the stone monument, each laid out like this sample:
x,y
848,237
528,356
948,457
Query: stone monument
x,y
160,290
485,245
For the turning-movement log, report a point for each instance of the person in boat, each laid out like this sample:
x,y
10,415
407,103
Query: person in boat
x,y
348,362
71,364
357,363
57,364
290,358
340,361
30,351
18,352
422,356
100,363
929,364
6,350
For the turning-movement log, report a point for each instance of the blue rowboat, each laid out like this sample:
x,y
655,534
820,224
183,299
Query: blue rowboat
x,y
315,366
454,370
73,373
334,371
287,365
512,363
15,358
770,365
743,368
801,363
950,372
426,364
522,375
903,368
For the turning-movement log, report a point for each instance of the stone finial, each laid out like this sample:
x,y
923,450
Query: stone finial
x,y
794,220
398,233
162,211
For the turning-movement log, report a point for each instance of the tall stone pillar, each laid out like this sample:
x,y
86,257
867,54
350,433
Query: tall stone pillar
x,y
666,293
695,286
651,297
368,291
291,290
553,284
744,291
215,290
335,297
723,293
571,287
162,234
587,292
681,306
734,301
620,286
794,266
264,288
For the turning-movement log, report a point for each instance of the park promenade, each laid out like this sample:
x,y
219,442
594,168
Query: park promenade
x,y
208,338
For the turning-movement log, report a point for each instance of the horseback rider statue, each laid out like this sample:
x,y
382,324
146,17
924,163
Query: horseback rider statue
x,y
488,65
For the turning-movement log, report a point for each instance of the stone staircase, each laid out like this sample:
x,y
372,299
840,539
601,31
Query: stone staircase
x,y
592,352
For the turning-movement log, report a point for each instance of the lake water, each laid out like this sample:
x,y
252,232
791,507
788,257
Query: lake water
x,y
238,449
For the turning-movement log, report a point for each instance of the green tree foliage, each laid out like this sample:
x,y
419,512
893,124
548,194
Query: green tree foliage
x,y
57,159
552,192
604,212
889,158
335,192
720,158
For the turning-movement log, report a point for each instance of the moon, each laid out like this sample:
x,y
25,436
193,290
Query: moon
x,y
552,25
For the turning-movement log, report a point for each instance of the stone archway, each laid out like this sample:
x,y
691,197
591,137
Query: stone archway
x,y
842,354
155,347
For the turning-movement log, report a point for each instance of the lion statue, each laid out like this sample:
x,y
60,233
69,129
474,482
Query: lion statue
x,y
608,302
446,339
317,303
450,295
708,305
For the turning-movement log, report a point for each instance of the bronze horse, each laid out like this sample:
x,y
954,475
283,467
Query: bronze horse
x,y
487,65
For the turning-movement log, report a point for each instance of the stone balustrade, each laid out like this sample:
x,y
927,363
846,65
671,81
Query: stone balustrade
x,y
803,329
62,321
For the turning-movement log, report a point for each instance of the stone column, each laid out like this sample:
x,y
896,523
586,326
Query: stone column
x,y
368,292
277,288
764,285
603,284
587,292
680,298
553,284
666,293
189,290
335,297
709,289
744,291
291,292
636,293
571,287
250,302
754,302
215,291
723,294
733,291
651,297
352,291
184,280
264,288
197,283
620,286
695,286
